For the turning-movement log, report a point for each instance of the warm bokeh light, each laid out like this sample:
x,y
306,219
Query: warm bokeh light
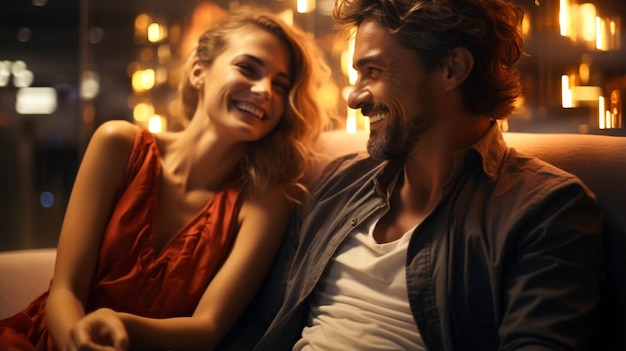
x,y
5,73
287,16
157,124
587,13
143,80
351,127
142,21
160,75
305,6
584,93
616,109
89,85
42,100
566,92
601,124
203,17
581,23
143,111
584,72
564,17
156,32
525,26
600,37
22,76
352,73
164,53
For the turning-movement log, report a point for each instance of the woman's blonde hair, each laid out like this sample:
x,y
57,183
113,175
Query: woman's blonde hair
x,y
280,158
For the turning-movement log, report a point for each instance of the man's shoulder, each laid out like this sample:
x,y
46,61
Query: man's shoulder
x,y
534,177
525,166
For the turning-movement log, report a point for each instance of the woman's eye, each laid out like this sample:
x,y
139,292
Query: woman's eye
x,y
245,67
282,87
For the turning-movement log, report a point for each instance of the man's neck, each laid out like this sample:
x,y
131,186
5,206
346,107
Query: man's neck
x,y
426,171
429,166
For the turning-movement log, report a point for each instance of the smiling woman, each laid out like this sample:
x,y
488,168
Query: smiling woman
x,y
294,81
206,206
251,76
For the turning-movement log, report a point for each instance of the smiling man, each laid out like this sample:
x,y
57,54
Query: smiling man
x,y
441,237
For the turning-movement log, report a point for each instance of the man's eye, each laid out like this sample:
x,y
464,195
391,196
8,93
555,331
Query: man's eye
x,y
373,71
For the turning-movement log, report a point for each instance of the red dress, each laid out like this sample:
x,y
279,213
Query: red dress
x,y
132,277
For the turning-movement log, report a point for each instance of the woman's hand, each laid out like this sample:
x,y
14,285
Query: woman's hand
x,y
99,331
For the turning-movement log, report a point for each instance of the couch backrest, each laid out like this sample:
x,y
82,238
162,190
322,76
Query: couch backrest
x,y
600,162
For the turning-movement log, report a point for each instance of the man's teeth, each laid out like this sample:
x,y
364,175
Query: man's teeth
x,y
250,109
377,117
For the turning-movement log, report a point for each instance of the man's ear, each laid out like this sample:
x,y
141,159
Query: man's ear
x,y
196,73
457,67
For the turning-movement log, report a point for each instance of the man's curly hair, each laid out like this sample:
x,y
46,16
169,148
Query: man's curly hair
x,y
489,29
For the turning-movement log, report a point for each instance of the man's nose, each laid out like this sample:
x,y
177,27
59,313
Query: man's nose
x,y
358,95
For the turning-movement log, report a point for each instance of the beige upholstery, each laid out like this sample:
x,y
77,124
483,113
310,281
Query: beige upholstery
x,y
600,161
24,275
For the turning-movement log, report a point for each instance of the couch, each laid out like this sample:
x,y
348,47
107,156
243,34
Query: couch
x,y
600,161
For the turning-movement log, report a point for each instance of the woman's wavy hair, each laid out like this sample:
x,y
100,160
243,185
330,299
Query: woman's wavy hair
x,y
281,157
432,28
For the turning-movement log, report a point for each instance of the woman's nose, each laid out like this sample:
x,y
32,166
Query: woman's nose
x,y
263,88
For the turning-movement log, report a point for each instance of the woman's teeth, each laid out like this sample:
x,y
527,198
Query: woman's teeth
x,y
250,109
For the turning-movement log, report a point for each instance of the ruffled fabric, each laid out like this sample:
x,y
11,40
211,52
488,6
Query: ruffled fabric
x,y
131,276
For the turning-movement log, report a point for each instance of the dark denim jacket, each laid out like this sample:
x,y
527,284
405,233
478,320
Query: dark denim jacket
x,y
511,257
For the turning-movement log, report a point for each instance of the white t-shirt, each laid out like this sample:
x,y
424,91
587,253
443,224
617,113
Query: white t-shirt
x,y
361,302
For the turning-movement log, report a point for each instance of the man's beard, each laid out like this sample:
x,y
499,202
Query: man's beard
x,y
396,141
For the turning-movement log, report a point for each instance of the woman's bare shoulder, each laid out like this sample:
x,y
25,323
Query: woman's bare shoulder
x,y
114,140
117,130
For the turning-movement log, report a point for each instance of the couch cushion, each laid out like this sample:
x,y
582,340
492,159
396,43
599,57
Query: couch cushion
x,y
24,275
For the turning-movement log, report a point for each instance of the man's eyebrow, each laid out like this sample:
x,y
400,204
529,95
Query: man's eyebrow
x,y
260,62
367,60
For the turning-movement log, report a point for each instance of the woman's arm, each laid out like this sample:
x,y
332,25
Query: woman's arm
x,y
87,213
263,224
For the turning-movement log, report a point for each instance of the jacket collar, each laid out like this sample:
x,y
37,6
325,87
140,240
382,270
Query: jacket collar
x,y
491,150
487,154
387,176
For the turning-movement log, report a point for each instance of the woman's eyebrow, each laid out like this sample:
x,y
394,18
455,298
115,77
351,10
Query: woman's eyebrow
x,y
261,63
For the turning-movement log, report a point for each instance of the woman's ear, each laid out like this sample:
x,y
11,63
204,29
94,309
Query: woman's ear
x,y
196,73
457,67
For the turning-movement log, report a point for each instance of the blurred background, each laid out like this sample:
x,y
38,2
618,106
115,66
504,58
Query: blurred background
x,y
66,66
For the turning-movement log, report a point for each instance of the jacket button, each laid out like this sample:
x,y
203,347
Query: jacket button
x,y
353,222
